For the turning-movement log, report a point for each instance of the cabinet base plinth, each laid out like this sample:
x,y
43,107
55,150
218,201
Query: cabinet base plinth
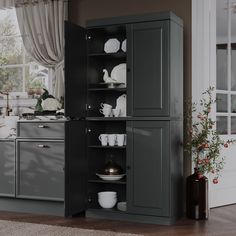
x,y
123,216
32,206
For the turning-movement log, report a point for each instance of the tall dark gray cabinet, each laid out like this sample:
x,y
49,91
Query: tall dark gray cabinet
x,y
152,157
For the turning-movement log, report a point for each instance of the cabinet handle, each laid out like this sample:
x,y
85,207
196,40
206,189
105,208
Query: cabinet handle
x,y
42,126
42,146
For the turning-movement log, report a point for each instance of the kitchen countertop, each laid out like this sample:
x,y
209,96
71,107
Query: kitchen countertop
x,y
8,139
8,134
43,119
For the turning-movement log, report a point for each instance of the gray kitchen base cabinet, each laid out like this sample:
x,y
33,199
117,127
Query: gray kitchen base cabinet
x,y
7,168
39,171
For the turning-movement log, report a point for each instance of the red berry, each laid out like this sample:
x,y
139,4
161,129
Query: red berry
x,y
226,145
206,145
199,162
215,181
207,161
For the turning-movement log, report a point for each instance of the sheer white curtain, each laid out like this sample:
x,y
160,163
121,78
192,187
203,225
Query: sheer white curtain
x,y
41,23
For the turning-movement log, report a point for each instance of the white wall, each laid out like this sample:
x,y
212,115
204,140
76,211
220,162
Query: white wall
x,y
203,46
203,53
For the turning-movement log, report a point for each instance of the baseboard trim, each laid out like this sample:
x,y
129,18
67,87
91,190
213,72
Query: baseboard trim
x,y
32,206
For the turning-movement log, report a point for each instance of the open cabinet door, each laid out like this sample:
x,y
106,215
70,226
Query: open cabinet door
x,y
75,167
75,71
75,101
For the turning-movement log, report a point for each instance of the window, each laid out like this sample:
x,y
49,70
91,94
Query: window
x,y
18,72
226,67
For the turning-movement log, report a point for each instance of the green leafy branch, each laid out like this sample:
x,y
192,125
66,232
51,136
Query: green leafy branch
x,y
205,143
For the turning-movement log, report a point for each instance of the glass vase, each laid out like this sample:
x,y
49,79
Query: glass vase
x,y
197,196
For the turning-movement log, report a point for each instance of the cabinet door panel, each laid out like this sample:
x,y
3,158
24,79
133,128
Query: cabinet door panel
x,y
40,173
148,61
75,70
75,167
148,158
7,168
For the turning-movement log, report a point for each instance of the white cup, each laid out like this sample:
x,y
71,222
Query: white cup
x,y
106,111
103,138
120,139
104,105
116,112
111,139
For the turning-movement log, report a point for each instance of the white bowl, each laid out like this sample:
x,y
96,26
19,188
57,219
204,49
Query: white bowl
x,y
110,177
122,206
107,202
108,194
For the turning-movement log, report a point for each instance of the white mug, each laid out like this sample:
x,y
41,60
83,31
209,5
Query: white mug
x,y
103,138
116,112
104,105
106,111
111,139
120,139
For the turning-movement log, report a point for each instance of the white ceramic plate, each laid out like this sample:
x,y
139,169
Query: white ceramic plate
x,y
118,73
121,104
123,46
110,177
112,45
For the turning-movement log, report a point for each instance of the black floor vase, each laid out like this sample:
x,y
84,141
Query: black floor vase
x,y
197,197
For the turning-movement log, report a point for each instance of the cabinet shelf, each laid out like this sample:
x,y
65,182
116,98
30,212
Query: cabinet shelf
x,y
106,147
106,118
111,55
100,209
106,182
96,89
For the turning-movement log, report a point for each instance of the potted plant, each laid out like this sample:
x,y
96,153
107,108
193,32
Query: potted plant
x,y
204,147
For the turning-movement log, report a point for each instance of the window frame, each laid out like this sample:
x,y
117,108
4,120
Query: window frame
x,y
22,102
